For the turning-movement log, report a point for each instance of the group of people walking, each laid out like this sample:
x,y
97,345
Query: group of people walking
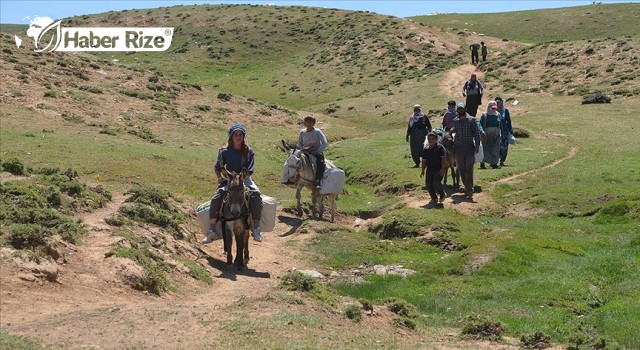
x,y
493,130
459,119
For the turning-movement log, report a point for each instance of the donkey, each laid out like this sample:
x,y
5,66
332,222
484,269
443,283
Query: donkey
x,y
300,168
235,217
449,145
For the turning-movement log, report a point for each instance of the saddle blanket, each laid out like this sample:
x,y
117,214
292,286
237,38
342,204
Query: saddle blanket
x,y
267,219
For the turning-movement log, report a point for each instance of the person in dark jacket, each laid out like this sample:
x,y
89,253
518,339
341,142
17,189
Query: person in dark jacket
x,y
484,51
474,53
417,130
473,91
434,159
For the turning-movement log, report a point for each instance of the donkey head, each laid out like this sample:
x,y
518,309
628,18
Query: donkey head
x,y
235,200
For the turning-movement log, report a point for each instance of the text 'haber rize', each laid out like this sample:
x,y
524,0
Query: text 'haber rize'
x,y
132,40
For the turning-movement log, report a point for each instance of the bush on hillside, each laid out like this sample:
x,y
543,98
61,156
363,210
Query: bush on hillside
x,y
598,97
536,341
296,280
14,166
482,327
353,312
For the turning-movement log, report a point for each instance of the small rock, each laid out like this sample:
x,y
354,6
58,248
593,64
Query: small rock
x,y
27,277
312,273
380,270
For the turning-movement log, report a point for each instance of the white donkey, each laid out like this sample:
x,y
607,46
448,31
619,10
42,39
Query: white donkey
x,y
300,170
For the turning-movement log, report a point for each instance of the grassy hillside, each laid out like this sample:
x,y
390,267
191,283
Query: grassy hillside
x,y
539,26
13,28
580,67
302,58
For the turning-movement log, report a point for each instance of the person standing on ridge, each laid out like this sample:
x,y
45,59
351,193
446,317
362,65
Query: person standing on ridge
x,y
483,51
474,53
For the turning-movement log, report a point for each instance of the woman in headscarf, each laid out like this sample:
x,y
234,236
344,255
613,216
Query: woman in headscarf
x,y
236,156
491,135
417,130
473,90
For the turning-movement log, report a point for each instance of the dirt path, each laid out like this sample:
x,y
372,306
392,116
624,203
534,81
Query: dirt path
x,y
455,79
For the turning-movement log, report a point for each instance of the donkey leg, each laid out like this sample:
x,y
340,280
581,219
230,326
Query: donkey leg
x,y
227,241
332,199
321,205
314,204
246,248
298,195
239,248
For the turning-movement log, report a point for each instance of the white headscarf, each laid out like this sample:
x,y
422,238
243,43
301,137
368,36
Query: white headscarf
x,y
416,116
491,111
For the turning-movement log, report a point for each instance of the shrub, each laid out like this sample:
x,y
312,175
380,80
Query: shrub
x,y
404,322
482,327
224,96
537,341
298,281
353,312
14,166
521,133
400,307
596,98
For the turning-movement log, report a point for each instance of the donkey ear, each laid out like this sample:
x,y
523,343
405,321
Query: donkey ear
x,y
244,174
224,171
285,145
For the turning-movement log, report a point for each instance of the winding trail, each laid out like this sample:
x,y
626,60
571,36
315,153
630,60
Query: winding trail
x,y
572,152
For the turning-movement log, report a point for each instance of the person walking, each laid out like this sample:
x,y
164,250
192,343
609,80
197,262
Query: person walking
x,y
449,115
484,51
490,131
434,159
506,129
473,91
474,53
418,128
467,143
236,156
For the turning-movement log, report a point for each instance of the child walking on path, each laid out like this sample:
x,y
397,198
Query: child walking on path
x,y
435,161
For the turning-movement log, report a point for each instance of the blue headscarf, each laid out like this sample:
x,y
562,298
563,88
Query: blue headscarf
x,y
235,127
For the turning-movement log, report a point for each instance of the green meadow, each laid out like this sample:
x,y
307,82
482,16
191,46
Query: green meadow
x,y
555,249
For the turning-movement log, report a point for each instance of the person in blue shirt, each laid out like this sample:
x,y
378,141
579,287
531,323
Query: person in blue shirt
x,y
490,131
506,127
237,155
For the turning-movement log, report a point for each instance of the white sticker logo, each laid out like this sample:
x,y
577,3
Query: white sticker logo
x,y
49,35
